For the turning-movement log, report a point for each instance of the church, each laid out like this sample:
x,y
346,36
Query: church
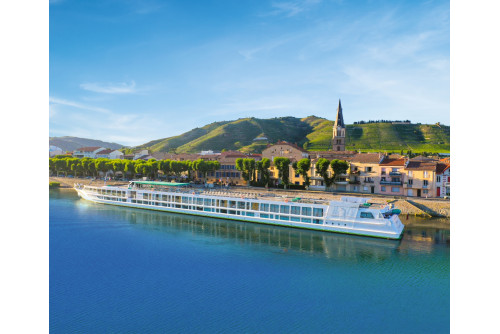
x,y
338,139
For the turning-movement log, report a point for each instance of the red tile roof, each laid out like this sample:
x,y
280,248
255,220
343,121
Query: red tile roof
x,y
373,158
441,168
106,151
393,160
88,149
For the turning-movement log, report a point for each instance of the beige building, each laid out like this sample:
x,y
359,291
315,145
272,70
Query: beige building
x,y
285,150
424,176
364,173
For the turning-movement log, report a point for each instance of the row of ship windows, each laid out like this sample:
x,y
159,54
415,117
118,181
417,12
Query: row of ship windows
x,y
254,206
230,212
217,210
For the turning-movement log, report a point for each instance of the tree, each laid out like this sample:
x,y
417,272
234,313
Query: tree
x,y
200,166
129,167
339,167
282,164
322,166
60,165
176,167
302,167
165,167
52,165
247,168
263,168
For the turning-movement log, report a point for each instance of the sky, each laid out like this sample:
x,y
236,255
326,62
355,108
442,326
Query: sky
x,y
131,71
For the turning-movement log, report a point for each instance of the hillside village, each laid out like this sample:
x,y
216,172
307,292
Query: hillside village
x,y
367,173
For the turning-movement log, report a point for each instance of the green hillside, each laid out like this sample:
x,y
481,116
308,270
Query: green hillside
x,y
312,133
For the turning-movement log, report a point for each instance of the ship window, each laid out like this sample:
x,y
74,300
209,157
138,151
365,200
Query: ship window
x,y
317,221
207,202
207,209
284,209
306,211
264,215
185,199
232,212
177,199
295,219
305,220
295,210
318,212
274,208
232,204
241,205
251,214
199,201
366,215
164,198
264,207
223,203
255,206
284,218
200,208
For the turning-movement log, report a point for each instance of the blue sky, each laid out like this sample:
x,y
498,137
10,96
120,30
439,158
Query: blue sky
x,y
132,71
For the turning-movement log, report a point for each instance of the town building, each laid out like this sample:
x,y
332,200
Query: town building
x,y
391,172
285,150
87,152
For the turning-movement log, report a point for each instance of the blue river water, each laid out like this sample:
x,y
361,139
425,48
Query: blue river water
x,y
121,270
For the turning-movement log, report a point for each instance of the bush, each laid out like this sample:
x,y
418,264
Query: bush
x,y
54,184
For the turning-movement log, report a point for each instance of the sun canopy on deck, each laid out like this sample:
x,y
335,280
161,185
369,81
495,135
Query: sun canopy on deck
x,y
159,183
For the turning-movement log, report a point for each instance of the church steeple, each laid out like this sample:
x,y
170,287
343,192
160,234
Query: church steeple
x,y
339,121
338,140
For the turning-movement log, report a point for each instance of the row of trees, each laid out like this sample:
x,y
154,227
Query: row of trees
x,y
249,168
150,168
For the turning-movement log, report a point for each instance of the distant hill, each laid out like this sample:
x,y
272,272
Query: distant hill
x,y
72,143
313,133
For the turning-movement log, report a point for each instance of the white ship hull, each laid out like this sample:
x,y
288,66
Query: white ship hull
x,y
389,228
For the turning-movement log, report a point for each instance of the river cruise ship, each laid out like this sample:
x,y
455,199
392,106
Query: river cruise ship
x,y
352,215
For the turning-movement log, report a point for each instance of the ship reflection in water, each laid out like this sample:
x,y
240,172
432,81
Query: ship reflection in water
x,y
421,235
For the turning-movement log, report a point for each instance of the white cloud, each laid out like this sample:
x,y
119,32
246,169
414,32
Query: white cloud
x,y
110,88
292,8
68,103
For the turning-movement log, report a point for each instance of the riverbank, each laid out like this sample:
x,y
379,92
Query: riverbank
x,y
408,206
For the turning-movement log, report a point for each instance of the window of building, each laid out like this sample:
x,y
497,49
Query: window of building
x,y
368,169
395,170
426,183
410,173
438,178
395,189
426,174
426,191
410,181
382,188
383,171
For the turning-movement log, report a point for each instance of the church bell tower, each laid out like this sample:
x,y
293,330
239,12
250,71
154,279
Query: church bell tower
x,y
338,141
